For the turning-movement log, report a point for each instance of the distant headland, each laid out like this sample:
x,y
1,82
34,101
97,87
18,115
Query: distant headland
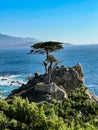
x,y
7,41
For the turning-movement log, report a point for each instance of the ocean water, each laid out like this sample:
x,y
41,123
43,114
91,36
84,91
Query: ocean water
x,y
16,65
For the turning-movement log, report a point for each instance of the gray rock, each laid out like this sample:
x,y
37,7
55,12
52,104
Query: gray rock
x,y
92,96
69,77
53,91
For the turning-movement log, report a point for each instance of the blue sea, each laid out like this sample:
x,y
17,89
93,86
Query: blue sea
x,y
16,65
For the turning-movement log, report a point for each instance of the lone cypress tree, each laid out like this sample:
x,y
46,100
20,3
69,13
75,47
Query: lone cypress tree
x,y
47,48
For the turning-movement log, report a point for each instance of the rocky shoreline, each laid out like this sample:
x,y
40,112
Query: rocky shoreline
x,y
63,81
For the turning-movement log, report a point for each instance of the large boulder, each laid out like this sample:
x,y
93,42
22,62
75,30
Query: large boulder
x,y
52,91
69,77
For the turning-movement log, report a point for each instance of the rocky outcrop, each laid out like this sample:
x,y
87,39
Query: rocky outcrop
x,y
53,91
69,77
92,96
63,80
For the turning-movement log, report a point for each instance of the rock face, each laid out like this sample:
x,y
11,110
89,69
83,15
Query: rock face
x,y
69,77
92,96
53,91
63,80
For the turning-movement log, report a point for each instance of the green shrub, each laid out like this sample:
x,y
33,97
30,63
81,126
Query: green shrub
x,y
74,113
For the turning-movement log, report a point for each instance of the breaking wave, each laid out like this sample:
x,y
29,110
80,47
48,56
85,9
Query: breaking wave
x,y
10,82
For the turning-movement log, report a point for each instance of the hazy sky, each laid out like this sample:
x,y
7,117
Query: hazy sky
x,y
74,21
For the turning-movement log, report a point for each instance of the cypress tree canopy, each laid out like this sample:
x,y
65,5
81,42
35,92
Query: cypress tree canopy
x,y
46,47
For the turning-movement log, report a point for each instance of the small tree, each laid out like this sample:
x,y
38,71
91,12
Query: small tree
x,y
47,48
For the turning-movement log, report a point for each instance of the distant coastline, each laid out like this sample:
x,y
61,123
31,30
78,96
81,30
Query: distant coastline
x,y
7,41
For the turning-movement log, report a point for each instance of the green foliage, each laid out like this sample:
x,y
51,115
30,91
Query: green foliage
x,y
3,105
44,47
75,113
3,120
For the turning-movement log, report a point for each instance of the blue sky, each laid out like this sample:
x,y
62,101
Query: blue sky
x,y
73,21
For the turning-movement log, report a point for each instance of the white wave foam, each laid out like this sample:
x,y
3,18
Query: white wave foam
x,y
3,91
11,80
2,94
9,76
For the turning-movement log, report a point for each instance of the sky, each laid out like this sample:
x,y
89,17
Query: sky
x,y
71,21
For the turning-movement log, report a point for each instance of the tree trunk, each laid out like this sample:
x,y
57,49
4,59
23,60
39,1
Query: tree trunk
x,y
49,72
45,65
47,54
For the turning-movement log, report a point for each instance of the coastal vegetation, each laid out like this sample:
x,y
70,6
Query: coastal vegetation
x,y
76,112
